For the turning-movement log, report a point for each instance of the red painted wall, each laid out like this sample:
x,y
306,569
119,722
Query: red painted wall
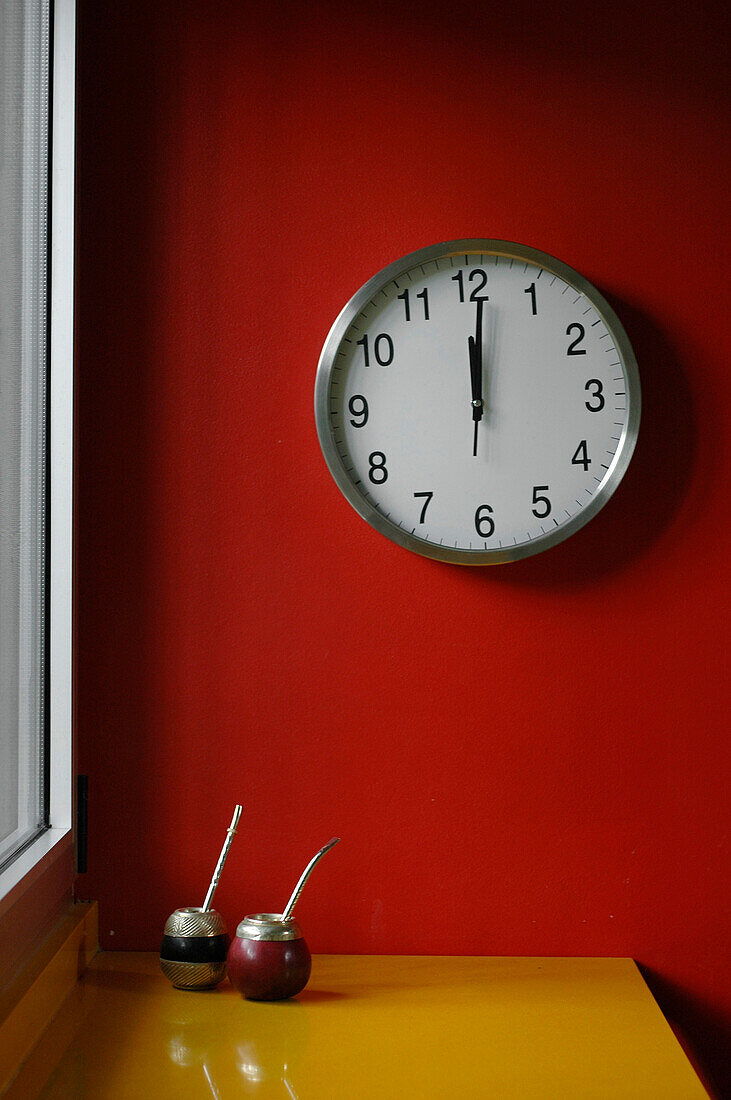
x,y
528,759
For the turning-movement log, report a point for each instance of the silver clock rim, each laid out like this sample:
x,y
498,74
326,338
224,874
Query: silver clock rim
x,y
375,518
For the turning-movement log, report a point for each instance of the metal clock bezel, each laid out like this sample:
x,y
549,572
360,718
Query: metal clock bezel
x,y
371,514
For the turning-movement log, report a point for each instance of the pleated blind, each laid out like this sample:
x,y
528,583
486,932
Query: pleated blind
x,y
24,211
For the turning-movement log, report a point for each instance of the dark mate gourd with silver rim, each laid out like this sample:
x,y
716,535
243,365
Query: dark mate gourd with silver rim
x,y
194,947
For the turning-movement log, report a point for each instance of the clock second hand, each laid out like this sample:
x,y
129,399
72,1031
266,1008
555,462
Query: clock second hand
x,y
474,343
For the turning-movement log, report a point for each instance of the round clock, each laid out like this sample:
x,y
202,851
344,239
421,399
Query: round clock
x,y
477,401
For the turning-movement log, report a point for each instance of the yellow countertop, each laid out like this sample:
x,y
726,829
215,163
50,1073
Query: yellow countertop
x,y
367,1026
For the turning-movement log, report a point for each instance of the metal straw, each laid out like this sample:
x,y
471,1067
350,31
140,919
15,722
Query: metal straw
x,y
230,834
305,875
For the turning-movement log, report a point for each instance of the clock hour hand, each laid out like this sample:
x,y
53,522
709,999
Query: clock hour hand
x,y
474,344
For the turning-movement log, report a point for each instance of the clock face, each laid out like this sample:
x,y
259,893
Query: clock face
x,y
477,401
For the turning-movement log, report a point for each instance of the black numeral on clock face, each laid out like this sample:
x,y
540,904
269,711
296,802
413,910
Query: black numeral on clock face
x,y
427,501
597,394
377,471
359,409
542,501
581,457
532,291
475,274
484,523
382,349
405,298
573,348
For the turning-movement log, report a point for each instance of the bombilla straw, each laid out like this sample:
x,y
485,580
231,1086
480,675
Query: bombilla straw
x,y
230,833
305,875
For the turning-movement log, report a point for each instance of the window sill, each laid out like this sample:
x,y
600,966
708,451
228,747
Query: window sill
x,y
31,864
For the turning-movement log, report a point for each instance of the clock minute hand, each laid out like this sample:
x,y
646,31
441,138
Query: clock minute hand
x,y
474,344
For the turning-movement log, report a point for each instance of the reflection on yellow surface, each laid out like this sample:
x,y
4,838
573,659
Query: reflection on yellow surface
x,y
369,1026
265,1054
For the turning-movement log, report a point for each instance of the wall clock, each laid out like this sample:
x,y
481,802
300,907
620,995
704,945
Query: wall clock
x,y
477,401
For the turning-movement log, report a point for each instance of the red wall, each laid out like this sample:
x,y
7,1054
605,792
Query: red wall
x,y
527,759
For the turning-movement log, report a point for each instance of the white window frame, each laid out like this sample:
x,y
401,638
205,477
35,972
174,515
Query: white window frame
x,y
61,327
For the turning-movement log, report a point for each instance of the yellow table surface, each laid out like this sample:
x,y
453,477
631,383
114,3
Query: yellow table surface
x,y
370,1026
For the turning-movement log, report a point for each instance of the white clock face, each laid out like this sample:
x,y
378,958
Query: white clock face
x,y
477,401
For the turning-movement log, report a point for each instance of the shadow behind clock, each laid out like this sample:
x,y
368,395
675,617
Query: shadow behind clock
x,y
653,487
651,493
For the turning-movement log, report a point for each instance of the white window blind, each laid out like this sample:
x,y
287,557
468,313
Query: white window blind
x,y
24,210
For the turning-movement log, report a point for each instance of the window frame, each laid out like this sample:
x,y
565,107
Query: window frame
x,y
54,841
